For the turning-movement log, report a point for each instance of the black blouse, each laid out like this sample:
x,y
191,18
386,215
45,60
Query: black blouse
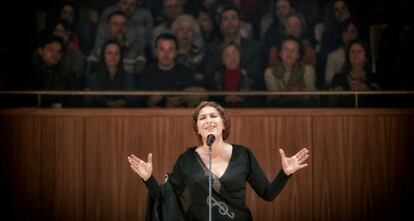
x,y
190,183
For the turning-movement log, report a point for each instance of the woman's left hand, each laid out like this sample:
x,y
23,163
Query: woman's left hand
x,y
294,163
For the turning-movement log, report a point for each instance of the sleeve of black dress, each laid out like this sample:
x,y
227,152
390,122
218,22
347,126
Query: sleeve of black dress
x,y
257,179
174,179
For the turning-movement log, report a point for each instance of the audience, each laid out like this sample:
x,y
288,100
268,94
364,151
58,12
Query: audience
x,y
203,31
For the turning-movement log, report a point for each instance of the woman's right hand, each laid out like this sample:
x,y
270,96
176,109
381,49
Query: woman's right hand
x,y
140,167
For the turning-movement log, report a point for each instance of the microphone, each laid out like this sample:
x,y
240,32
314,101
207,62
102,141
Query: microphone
x,y
210,139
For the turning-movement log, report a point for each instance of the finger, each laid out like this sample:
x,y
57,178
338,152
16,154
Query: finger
x,y
150,158
301,153
135,158
282,153
131,160
302,166
303,159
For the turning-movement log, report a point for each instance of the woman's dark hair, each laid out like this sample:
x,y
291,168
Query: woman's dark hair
x,y
223,115
102,69
347,66
75,9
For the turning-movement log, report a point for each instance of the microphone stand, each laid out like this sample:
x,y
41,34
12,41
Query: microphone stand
x,y
209,184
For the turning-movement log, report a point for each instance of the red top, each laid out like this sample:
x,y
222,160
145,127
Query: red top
x,y
232,79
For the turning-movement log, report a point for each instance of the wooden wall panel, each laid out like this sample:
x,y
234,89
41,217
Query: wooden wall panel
x,y
358,166
71,164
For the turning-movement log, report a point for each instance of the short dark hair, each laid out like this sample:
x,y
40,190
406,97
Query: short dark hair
x,y
229,8
48,39
223,115
168,37
115,13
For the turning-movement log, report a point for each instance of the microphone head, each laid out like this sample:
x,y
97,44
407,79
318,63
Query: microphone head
x,y
210,139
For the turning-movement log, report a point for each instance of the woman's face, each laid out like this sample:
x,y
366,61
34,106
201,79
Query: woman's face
x,y
209,121
68,14
231,57
112,55
184,33
341,11
293,26
289,53
349,34
357,55
282,8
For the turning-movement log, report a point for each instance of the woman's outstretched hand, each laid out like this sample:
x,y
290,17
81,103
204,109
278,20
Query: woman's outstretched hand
x,y
294,163
140,167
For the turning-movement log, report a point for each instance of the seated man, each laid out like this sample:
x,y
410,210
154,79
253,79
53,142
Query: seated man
x,y
49,73
166,74
134,46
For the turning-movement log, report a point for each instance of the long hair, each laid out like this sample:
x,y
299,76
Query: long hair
x,y
103,72
298,69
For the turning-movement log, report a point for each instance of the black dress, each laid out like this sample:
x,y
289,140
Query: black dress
x,y
190,183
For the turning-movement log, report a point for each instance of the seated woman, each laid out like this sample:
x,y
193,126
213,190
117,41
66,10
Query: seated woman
x,y
110,76
295,26
356,75
336,59
290,74
230,77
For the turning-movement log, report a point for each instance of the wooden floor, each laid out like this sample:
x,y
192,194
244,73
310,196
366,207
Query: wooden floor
x,y
71,164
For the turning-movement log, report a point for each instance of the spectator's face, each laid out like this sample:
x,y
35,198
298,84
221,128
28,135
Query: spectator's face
x,y
230,23
357,55
341,11
289,53
204,20
128,6
68,14
173,8
349,34
61,32
282,8
117,26
166,52
112,55
293,26
185,33
231,57
51,53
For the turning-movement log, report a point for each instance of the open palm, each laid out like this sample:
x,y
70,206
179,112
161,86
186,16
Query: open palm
x,y
294,163
140,167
